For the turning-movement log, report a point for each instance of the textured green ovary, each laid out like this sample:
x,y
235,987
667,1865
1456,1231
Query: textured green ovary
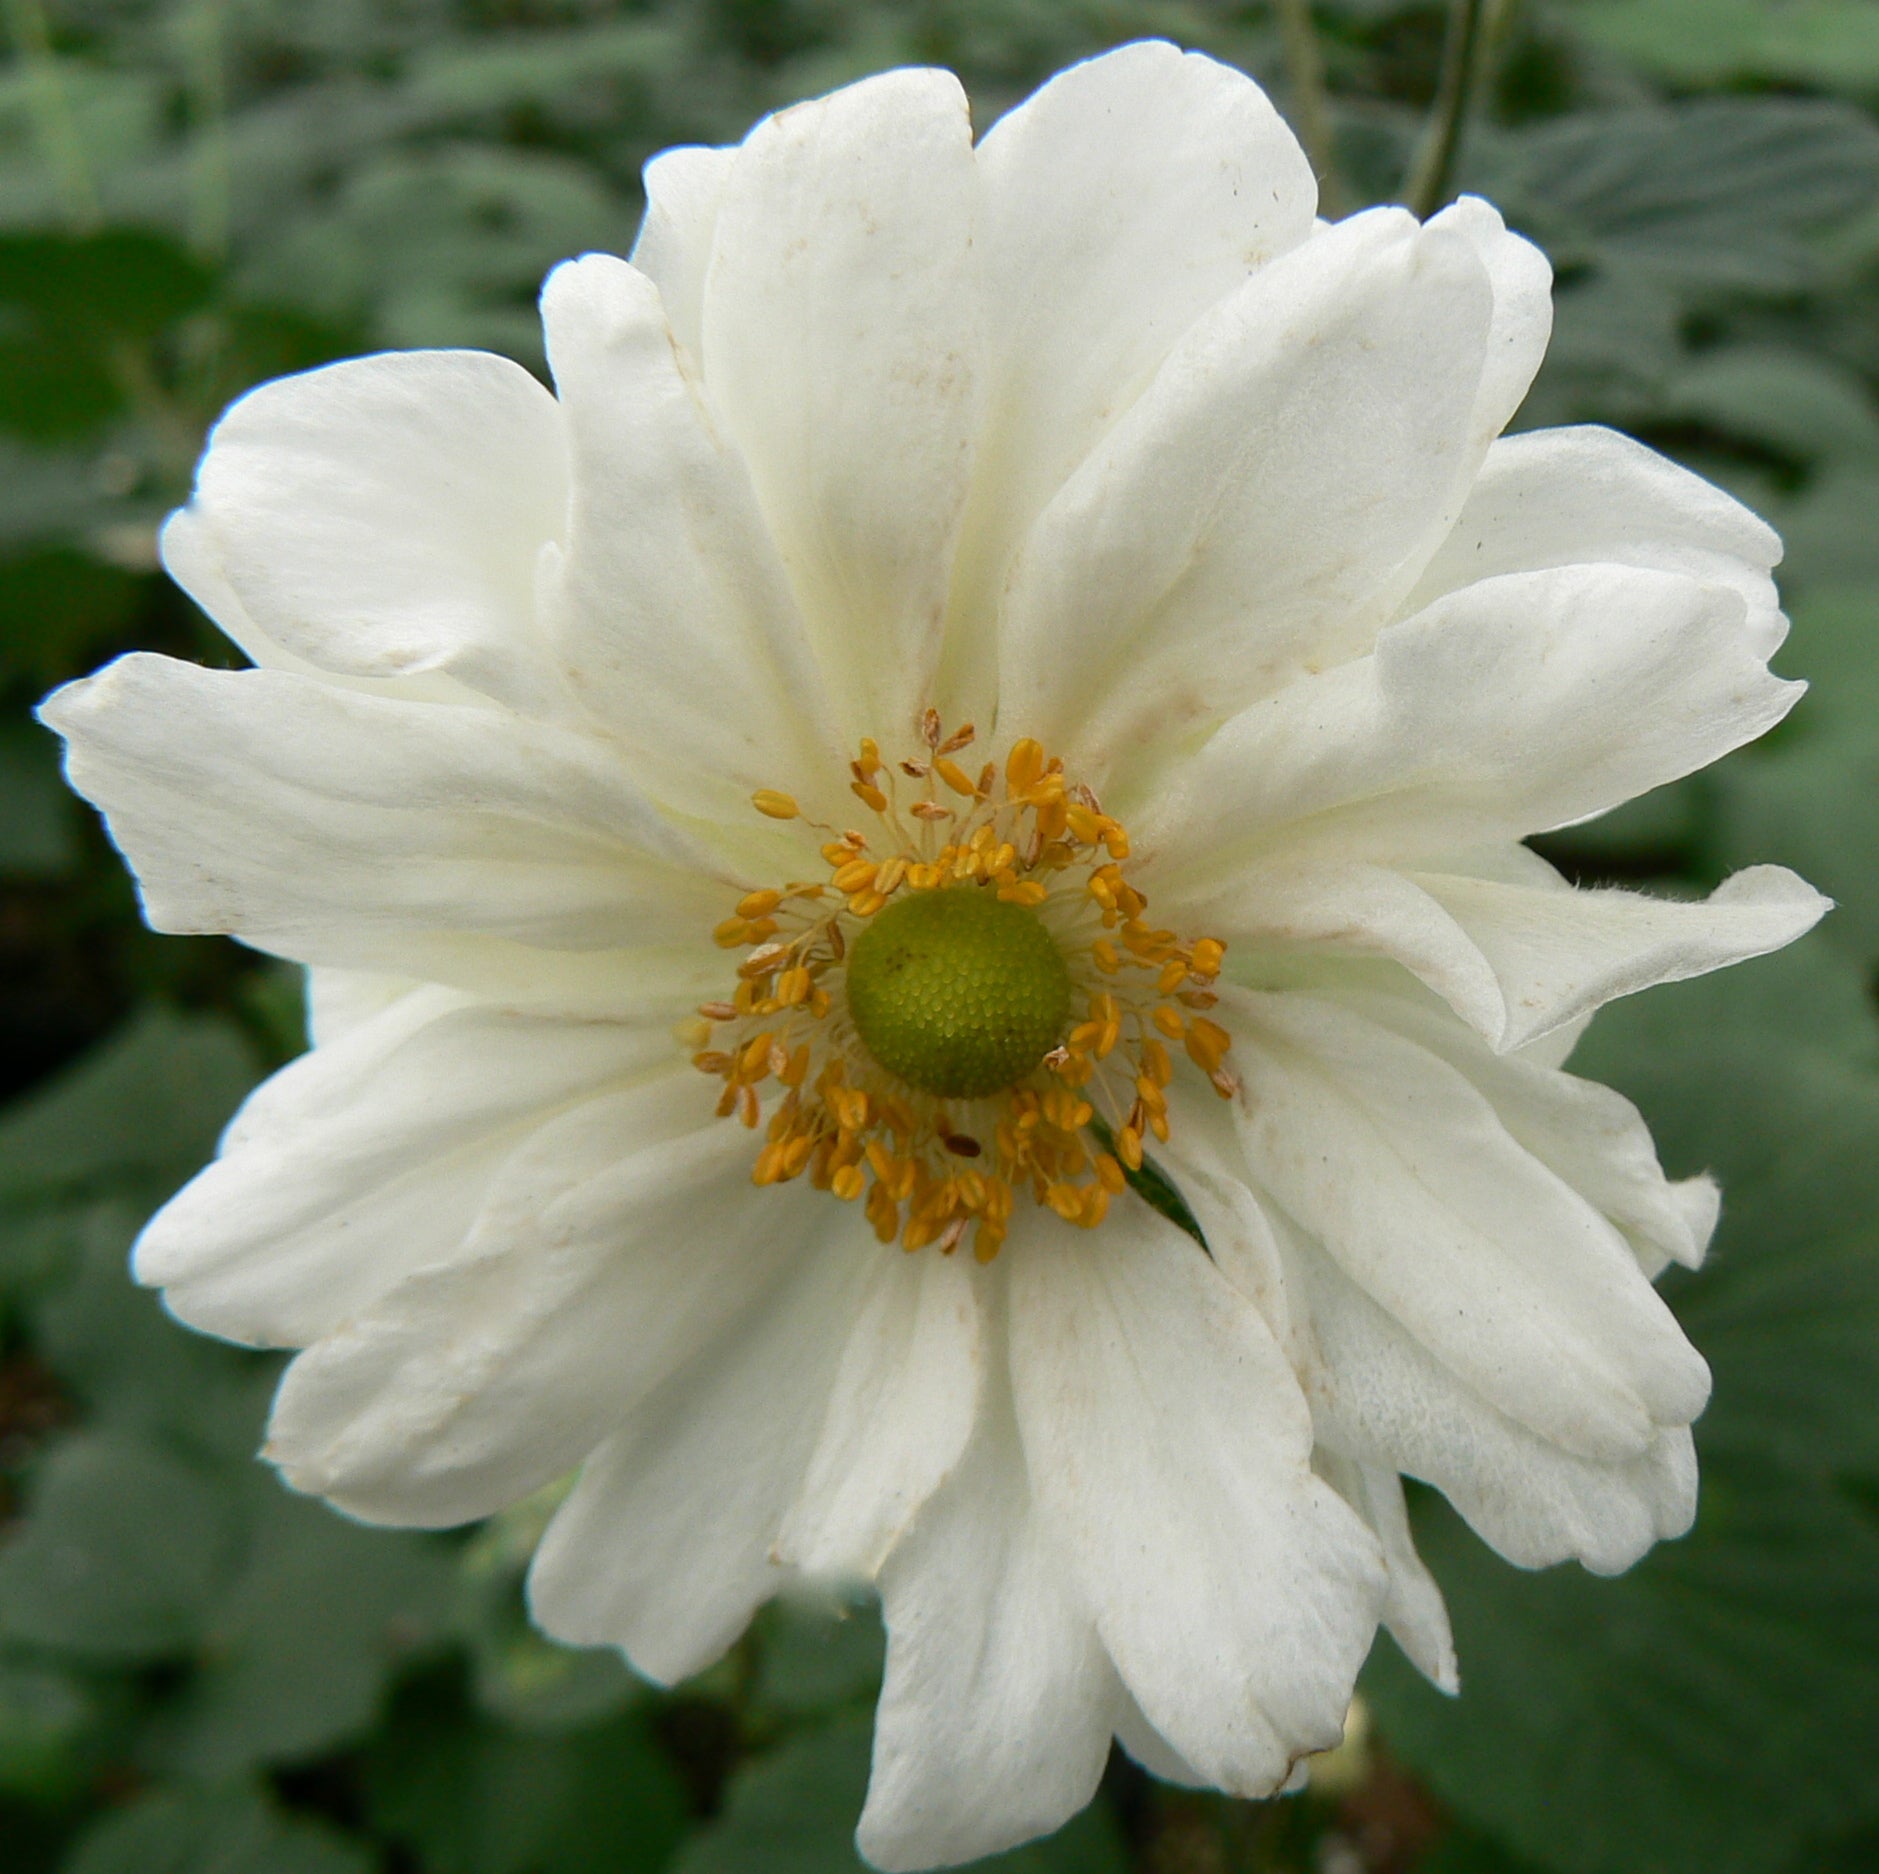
x,y
957,992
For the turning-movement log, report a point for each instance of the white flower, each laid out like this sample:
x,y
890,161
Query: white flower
x,y
1092,437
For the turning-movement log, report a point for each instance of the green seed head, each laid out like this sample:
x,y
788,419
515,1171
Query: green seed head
x,y
958,992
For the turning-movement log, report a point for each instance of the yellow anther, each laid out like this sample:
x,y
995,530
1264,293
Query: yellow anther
x,y
869,795
1209,953
1025,891
796,1070
1173,975
987,1242
793,986
854,875
1095,1206
775,805
1087,826
1155,1060
731,934
1207,1044
758,903
1066,1200
1170,1022
1109,1172
870,762
753,1062
1103,952
887,880
1129,1147
848,1183
1023,765
866,903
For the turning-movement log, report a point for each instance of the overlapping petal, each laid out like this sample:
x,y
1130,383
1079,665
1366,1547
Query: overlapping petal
x,y
384,517
673,617
1515,705
1122,201
370,1157
999,1700
1169,1447
1256,510
339,827
842,340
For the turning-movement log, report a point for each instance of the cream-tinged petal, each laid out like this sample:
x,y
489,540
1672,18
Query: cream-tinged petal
x,y
339,1000
667,1545
369,1157
1415,1615
1559,953
684,187
996,1710
1401,1168
1585,495
383,517
842,342
1380,1395
1123,199
1168,1445
1518,704
901,1408
674,619
1255,512
616,1245
334,826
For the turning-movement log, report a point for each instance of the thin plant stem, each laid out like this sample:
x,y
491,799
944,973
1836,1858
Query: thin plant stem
x,y
59,139
1427,186
1304,67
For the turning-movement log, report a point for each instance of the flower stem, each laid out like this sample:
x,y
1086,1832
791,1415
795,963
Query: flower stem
x,y
1311,102
1427,185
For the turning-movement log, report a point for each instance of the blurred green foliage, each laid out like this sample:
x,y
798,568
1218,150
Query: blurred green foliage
x,y
200,1672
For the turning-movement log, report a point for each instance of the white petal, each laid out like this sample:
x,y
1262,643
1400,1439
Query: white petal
x,y
842,343
1590,1136
383,517
1512,949
332,826
667,1545
995,1714
1121,201
1523,311
1565,497
683,190
1402,1169
1378,1394
339,1000
1257,509
615,1245
1153,1751
1558,954
1167,1442
676,623
368,1158
901,1408
1415,1613
1516,705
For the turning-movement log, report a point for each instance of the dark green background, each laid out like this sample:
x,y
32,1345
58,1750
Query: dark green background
x,y
200,1674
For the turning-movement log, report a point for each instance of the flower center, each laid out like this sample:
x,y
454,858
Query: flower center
x,y
958,991
969,1006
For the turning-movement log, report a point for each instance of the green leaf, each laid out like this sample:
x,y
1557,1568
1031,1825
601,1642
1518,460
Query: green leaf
x,y
298,1651
120,1554
817,1657
472,1798
1794,402
1810,799
1704,42
794,1812
145,1108
1697,1716
38,827
233,1831
1715,192
48,1722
